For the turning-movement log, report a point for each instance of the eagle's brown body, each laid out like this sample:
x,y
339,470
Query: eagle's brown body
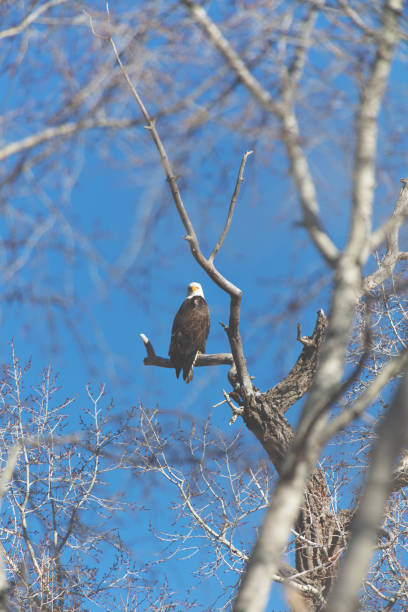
x,y
189,334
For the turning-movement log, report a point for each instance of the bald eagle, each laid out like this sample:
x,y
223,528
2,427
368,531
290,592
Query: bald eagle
x,y
190,331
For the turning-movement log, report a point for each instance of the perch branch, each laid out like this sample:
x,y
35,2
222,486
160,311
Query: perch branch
x,y
231,207
209,359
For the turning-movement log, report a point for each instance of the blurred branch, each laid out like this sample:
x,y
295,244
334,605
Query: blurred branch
x,y
295,69
300,461
31,242
231,207
231,56
306,188
400,474
389,232
392,438
285,113
62,131
30,18
356,19
392,368
5,478
372,93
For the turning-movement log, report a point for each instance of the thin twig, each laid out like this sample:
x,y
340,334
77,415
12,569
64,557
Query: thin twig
x,y
392,368
151,127
236,410
305,340
231,207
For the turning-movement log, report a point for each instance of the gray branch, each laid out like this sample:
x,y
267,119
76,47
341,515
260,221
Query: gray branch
x,y
239,180
208,359
285,113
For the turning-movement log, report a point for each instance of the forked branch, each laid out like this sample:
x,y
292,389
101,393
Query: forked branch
x,y
234,292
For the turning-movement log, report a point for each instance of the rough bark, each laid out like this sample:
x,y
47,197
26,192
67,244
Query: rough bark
x,y
294,386
265,417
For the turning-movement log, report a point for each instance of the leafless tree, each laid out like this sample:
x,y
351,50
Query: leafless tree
x,y
52,485
308,82
302,496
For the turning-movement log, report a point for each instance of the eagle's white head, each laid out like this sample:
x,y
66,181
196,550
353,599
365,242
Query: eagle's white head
x,y
194,289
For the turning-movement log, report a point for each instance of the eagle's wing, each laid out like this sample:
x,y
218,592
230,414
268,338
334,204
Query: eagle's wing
x,y
189,335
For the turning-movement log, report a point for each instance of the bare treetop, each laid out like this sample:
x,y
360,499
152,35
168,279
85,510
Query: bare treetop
x,y
257,147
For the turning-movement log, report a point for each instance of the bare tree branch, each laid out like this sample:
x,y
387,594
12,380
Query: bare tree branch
x,y
400,475
298,62
356,19
231,56
231,207
299,380
358,243
392,368
5,478
39,231
202,359
285,113
300,461
390,233
235,293
62,131
30,18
